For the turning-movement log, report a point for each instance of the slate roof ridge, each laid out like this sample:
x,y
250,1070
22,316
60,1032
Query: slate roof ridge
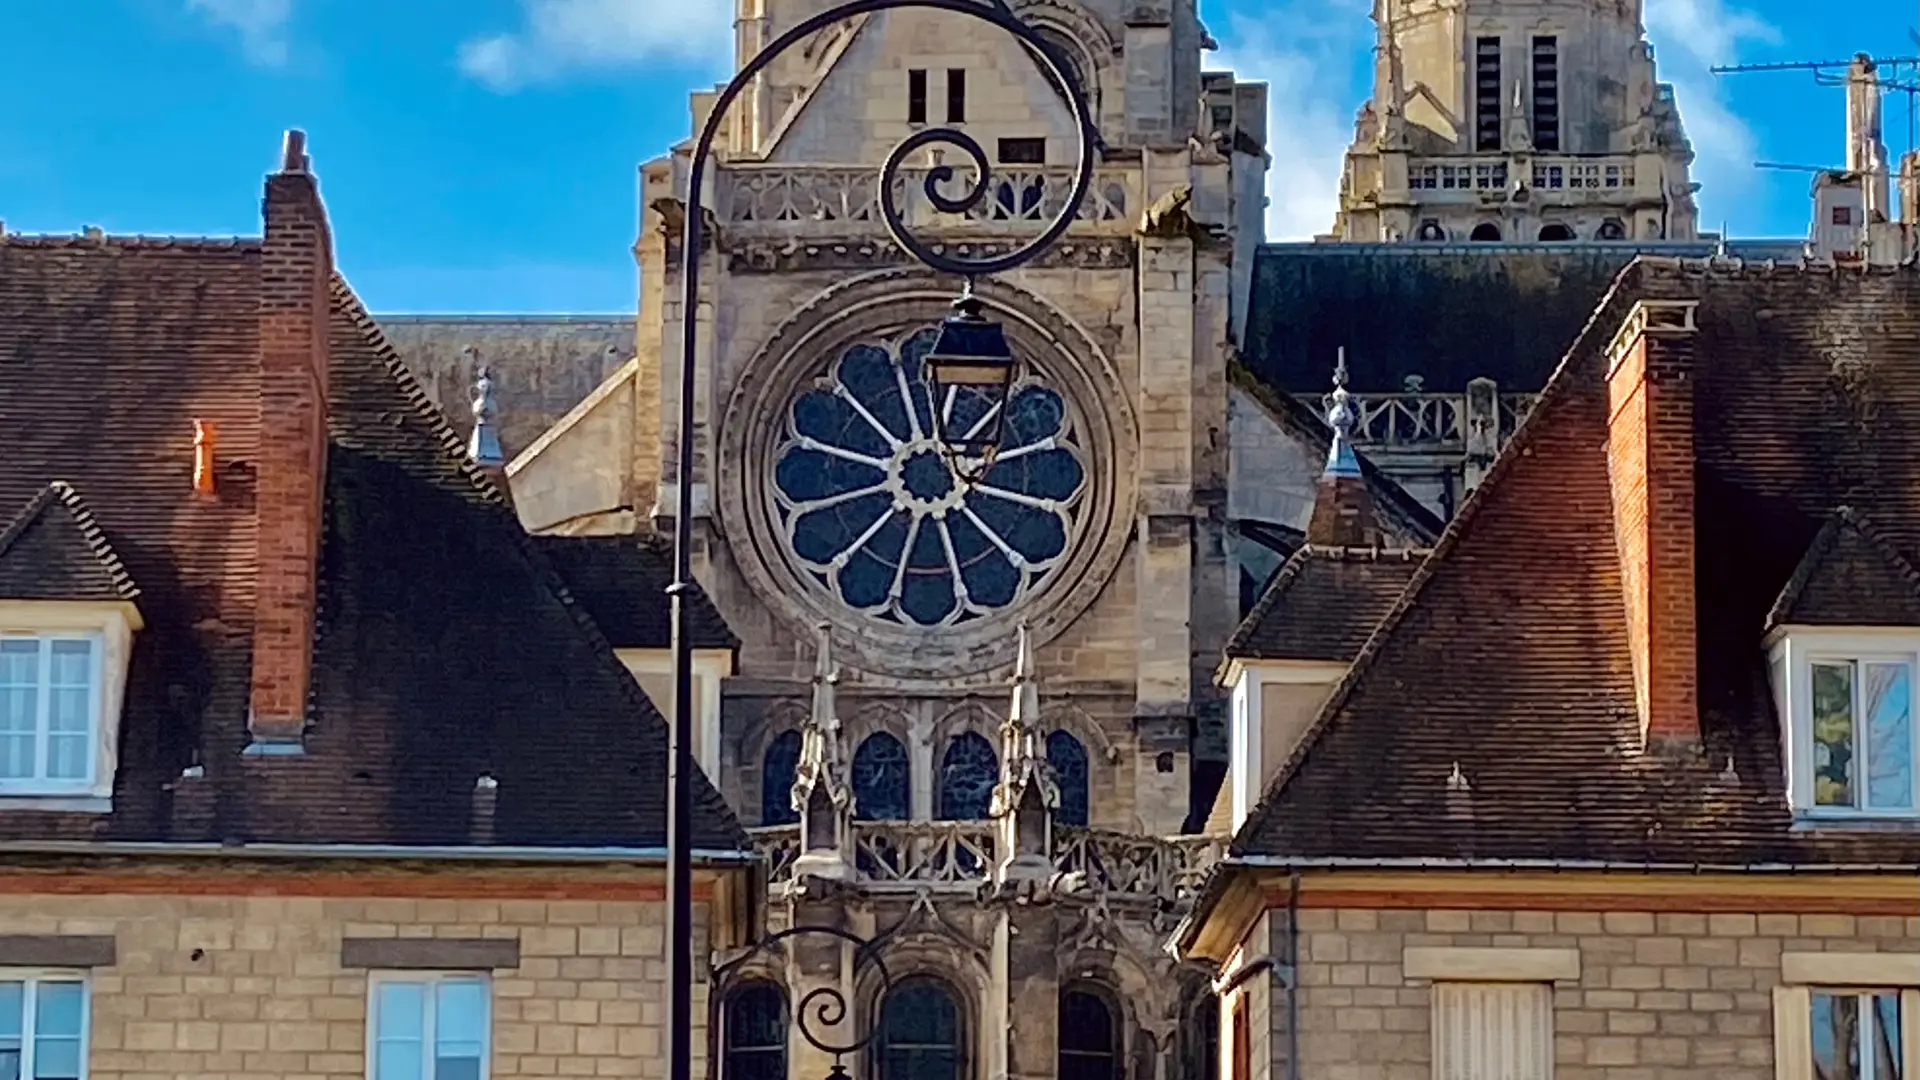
x,y
1291,569
61,493
1842,519
1629,285
1287,409
708,796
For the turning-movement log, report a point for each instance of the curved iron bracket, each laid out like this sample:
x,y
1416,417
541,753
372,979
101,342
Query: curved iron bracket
x,y
824,1005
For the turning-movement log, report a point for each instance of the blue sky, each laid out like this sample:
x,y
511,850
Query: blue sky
x,y
480,155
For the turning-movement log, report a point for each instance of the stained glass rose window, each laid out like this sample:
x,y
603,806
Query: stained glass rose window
x,y
873,511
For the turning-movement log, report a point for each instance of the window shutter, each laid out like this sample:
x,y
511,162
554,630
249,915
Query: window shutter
x,y
1492,1030
1792,1037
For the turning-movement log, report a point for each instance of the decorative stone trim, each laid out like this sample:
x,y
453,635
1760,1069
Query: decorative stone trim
x,y
1492,965
1851,969
1651,318
430,954
57,950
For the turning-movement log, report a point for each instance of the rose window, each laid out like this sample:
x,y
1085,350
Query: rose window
x,y
873,511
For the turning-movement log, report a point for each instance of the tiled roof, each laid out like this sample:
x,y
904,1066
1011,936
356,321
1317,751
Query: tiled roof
x,y
446,646
1850,576
54,550
1507,659
1449,313
1324,604
622,582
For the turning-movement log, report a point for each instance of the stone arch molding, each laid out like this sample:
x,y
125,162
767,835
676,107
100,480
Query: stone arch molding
x,y
1060,354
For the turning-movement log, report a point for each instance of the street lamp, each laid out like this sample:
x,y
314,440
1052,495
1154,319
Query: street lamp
x,y
971,357
825,1004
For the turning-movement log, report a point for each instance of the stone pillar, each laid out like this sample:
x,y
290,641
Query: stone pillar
x,y
1164,556
815,961
1480,426
1026,963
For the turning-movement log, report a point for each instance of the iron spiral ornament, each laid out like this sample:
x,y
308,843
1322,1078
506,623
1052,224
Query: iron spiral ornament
x,y
824,1005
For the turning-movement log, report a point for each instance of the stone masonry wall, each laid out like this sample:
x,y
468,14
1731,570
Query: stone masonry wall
x,y
229,986
1661,995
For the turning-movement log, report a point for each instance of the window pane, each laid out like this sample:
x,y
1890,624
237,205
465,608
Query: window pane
x,y
1836,1036
1833,735
1888,704
880,786
777,772
69,708
1886,1037
59,1009
399,1016
1069,760
12,1002
1484,1030
968,774
459,1029
756,1034
19,706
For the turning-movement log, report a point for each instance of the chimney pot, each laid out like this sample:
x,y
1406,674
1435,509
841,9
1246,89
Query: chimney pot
x,y
205,438
293,152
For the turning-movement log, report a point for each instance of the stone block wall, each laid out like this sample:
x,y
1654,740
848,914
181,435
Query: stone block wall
x,y
214,986
1658,996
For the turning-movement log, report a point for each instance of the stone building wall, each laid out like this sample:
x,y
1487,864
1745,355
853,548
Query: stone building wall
x,y
212,984
1668,994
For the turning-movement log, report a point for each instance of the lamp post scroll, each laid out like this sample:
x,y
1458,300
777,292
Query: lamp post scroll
x,y
970,357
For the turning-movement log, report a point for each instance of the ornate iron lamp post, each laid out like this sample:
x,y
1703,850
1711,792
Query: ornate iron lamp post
x,y
826,1005
971,357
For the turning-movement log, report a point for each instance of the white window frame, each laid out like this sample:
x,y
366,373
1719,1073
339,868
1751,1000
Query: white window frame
x,y
1793,1027
35,976
40,783
112,625
1790,665
428,1024
1446,990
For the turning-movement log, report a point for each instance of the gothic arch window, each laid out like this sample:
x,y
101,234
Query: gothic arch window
x,y
1069,55
1200,1036
1555,233
755,1033
1089,1035
880,779
967,776
1068,756
1612,229
1431,232
921,1032
777,770
872,511
1485,231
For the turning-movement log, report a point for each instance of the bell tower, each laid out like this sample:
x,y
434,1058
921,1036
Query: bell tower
x,y
1516,120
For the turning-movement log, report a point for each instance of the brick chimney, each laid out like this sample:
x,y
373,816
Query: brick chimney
x,y
1343,514
1650,466
296,269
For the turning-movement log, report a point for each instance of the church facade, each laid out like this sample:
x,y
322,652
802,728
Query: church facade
x,y
979,725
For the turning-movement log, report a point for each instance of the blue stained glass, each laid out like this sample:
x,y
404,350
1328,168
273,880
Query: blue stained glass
x,y
920,1033
1069,760
777,772
874,511
880,788
968,774
756,1033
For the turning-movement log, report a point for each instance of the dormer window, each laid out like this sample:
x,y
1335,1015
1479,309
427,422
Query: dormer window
x,y
49,713
1848,705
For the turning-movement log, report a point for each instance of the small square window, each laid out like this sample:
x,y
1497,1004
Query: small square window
x,y
43,1026
49,712
429,1027
1857,1034
1848,707
1843,215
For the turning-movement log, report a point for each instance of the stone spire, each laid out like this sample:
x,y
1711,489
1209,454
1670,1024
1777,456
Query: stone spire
x,y
820,792
1342,506
1026,796
1519,131
483,446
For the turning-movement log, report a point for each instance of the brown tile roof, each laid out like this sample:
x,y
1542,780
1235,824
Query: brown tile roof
x,y
1850,576
622,583
1324,604
447,647
1507,659
54,550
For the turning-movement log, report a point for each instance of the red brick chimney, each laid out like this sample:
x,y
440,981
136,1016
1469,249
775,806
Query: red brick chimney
x,y
296,270
1651,468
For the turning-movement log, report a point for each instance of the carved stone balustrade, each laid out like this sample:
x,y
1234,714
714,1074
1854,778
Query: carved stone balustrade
x,y
803,201
1119,866
1429,423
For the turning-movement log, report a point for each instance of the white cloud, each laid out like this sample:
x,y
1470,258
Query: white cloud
x,y
1304,53
1692,36
564,35
260,24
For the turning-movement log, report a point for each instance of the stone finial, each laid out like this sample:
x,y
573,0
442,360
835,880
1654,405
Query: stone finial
x,y
1026,796
1519,132
820,792
1343,514
483,446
